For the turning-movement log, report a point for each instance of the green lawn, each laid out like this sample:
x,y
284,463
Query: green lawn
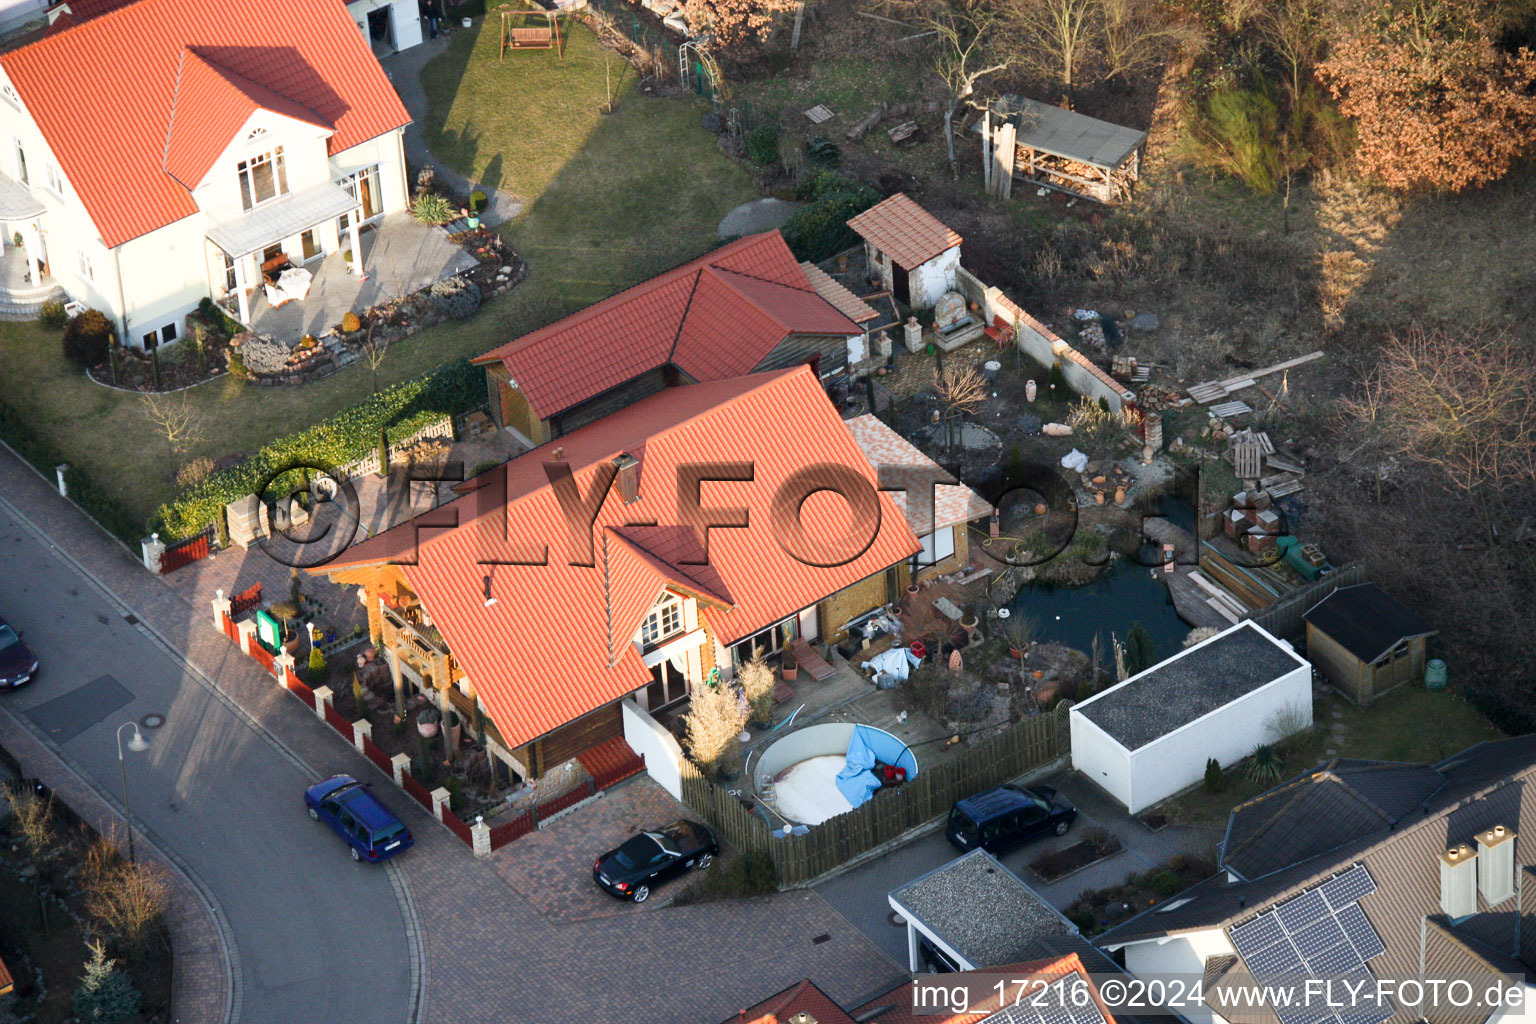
x,y
611,200
1413,724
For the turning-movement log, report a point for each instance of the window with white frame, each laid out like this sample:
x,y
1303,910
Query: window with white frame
x,y
363,186
937,546
21,164
664,622
262,177
55,179
83,265
11,97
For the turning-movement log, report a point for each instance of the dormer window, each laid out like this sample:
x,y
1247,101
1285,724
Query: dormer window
x,y
664,622
262,178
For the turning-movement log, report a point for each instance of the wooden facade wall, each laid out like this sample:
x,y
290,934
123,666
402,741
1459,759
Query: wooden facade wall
x,y
1360,682
796,349
850,602
595,408
570,739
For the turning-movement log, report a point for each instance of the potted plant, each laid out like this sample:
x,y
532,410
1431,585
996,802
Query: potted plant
x,y
477,202
1018,632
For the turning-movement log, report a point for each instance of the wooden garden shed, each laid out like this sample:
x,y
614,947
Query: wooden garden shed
x,y
1365,641
1031,143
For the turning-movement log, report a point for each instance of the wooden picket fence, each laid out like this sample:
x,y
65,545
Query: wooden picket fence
x,y
185,552
798,859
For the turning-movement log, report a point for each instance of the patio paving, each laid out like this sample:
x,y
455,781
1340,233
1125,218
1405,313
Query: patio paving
x,y
401,255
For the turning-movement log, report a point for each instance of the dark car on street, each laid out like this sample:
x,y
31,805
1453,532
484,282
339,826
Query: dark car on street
x,y
650,857
1007,817
371,830
17,663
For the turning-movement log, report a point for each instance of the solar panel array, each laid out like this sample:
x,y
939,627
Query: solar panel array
x,y
1066,1001
1320,933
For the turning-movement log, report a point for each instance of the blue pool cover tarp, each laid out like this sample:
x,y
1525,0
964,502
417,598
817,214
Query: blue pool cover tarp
x,y
856,781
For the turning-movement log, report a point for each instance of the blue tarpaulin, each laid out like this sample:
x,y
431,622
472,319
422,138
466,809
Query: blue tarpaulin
x,y
856,781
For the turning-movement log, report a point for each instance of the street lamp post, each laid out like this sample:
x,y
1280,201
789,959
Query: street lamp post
x,y
137,744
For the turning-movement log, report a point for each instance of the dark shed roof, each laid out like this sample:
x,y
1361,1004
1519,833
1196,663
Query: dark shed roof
x,y
1066,133
1366,620
1190,685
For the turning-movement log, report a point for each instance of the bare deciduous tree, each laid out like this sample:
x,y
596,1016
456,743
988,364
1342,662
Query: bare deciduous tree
x,y
965,50
174,418
1071,39
1463,404
960,390
34,819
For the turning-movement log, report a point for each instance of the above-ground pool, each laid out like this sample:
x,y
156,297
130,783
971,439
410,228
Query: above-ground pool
x,y
821,771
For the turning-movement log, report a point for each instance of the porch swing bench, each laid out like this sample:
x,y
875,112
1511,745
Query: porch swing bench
x,y
518,34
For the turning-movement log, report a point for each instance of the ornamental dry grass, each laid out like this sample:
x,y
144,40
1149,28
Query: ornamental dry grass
x,y
127,900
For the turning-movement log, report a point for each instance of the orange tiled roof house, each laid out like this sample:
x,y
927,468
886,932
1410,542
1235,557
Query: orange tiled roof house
x,y
549,660
161,152
746,307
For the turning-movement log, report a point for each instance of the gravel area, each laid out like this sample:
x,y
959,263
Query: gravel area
x,y
1195,683
981,909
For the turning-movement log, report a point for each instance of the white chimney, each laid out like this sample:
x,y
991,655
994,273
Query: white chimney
x,y
1496,864
1458,881
628,477
802,1018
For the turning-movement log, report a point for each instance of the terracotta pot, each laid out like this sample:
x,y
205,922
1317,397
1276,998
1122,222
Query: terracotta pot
x,y
1038,673
1119,495
1098,496
1040,509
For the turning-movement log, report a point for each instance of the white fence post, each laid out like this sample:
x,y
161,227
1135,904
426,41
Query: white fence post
x,y
401,764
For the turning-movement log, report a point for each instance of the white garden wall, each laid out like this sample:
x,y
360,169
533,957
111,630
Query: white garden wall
x,y
663,756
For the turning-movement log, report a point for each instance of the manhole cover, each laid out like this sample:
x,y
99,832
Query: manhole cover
x,y
152,721
895,920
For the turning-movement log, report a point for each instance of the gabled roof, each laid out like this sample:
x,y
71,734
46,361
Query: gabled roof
x,y
1006,1007
904,231
1323,810
558,641
210,104
713,317
1485,785
781,1007
952,503
102,92
1367,620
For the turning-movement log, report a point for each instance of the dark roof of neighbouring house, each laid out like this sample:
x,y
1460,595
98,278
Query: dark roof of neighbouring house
x,y
980,908
714,317
1066,133
1321,811
904,231
1189,685
103,90
1367,620
1485,785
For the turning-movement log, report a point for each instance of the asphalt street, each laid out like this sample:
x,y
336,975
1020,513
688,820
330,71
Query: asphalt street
x,y
316,937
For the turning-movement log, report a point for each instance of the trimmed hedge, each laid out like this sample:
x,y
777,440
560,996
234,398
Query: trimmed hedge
x,y
107,510
401,410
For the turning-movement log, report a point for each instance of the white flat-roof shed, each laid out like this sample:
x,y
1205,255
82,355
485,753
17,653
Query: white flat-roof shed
x,y
1149,737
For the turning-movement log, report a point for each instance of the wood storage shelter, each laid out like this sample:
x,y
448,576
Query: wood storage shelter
x,y
1365,641
1036,143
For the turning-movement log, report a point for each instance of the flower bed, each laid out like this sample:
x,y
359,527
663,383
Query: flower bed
x,y
1102,909
1095,846
202,354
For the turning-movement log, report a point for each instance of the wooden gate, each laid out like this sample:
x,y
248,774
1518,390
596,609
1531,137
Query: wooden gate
x,y
186,552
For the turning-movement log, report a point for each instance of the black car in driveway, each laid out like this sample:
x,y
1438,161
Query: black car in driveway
x,y
17,663
1009,816
630,871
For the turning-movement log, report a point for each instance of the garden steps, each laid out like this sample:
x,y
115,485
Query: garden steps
x,y
27,303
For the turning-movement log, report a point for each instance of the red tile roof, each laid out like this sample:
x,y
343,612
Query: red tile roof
x,y
901,1010
210,104
802,998
102,92
558,642
904,231
714,317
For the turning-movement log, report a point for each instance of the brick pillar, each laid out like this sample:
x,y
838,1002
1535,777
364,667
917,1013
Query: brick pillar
x,y
480,834
362,729
247,630
401,764
151,549
221,607
323,697
440,802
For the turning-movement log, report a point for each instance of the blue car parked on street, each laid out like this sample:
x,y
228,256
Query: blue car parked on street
x,y
354,813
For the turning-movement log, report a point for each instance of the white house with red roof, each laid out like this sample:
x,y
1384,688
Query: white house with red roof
x,y
161,152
